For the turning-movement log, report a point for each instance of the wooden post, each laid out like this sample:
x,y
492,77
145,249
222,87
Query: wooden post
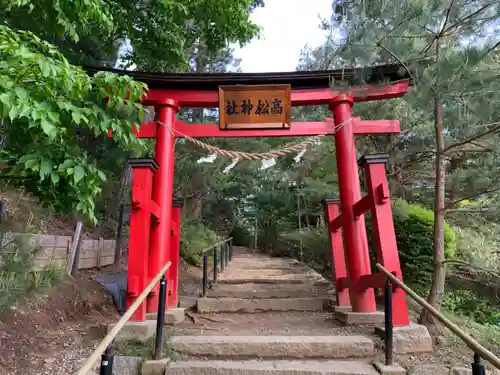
x,y
75,250
3,205
100,252
119,234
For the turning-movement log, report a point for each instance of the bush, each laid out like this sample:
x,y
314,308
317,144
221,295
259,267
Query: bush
x,y
315,246
414,227
195,237
18,280
242,236
479,246
467,303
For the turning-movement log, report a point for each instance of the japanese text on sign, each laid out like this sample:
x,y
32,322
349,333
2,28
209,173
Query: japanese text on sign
x,y
248,107
261,108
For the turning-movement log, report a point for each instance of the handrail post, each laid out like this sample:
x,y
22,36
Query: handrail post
x,y
226,246
230,249
215,265
388,322
478,365
107,362
225,254
205,273
160,318
221,249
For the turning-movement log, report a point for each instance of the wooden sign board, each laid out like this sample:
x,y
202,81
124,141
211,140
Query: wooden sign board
x,y
254,107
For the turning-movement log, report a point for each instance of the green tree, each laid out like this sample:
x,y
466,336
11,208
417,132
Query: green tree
x,y
50,109
160,32
447,117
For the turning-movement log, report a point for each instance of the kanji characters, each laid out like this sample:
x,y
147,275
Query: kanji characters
x,y
231,108
276,108
246,107
262,107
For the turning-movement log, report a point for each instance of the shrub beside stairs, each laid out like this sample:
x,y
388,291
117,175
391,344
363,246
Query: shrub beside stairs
x,y
268,316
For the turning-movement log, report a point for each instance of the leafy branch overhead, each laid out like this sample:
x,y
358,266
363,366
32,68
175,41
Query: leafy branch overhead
x,y
160,32
53,113
43,102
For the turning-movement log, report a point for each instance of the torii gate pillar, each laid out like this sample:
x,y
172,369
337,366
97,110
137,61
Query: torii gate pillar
x,y
162,194
356,242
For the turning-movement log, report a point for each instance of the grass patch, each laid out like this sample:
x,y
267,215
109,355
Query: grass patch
x,y
18,280
145,349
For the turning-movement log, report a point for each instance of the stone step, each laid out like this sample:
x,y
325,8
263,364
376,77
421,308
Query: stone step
x,y
253,290
279,367
244,347
211,305
278,280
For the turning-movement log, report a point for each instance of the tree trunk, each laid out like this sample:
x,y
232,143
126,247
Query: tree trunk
x,y
439,273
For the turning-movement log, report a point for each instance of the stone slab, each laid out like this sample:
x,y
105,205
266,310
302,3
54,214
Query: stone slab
x,y
331,347
279,367
414,338
393,369
126,365
428,369
172,317
460,370
208,305
349,317
154,366
252,290
342,308
271,281
188,302
136,331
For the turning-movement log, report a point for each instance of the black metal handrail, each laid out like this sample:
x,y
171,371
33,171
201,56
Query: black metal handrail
x,y
480,351
222,255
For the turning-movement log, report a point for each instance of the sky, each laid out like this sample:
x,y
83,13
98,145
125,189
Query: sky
x,y
287,26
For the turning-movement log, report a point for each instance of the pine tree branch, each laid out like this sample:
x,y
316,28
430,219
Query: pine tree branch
x,y
410,36
396,27
475,137
459,22
379,43
462,263
446,18
466,210
426,29
485,149
494,47
475,195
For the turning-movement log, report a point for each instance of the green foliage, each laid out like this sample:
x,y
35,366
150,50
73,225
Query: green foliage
x,y
44,102
479,246
195,237
467,303
316,248
413,225
53,114
160,32
18,280
414,230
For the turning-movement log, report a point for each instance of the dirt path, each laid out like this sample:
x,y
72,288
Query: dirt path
x,y
52,330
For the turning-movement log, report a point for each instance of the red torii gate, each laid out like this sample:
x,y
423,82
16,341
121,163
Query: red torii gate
x,y
154,242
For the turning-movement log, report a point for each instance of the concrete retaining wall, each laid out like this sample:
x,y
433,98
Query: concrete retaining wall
x,y
54,249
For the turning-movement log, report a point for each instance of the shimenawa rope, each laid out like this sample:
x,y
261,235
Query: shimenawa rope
x,y
288,149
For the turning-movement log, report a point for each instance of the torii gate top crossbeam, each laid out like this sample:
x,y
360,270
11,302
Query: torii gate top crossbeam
x,y
200,90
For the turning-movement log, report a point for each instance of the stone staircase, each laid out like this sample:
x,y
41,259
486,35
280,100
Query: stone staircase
x,y
269,316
